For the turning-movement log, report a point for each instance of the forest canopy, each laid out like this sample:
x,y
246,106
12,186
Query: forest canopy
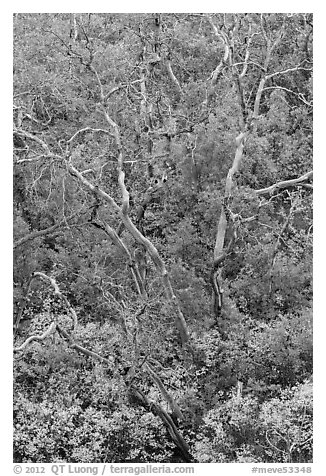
x,y
162,237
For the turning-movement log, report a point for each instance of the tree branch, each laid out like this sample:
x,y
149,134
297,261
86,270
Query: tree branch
x,y
218,70
34,138
136,394
38,338
45,231
140,238
139,397
119,243
284,184
299,95
88,129
57,292
222,224
174,407
172,76
288,70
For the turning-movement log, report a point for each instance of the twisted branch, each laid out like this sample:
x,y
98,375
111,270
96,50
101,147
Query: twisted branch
x,y
51,329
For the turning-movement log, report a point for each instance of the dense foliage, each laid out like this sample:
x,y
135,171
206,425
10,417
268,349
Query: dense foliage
x,y
163,99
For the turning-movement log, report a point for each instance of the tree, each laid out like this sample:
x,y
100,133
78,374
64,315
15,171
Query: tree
x,y
132,133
